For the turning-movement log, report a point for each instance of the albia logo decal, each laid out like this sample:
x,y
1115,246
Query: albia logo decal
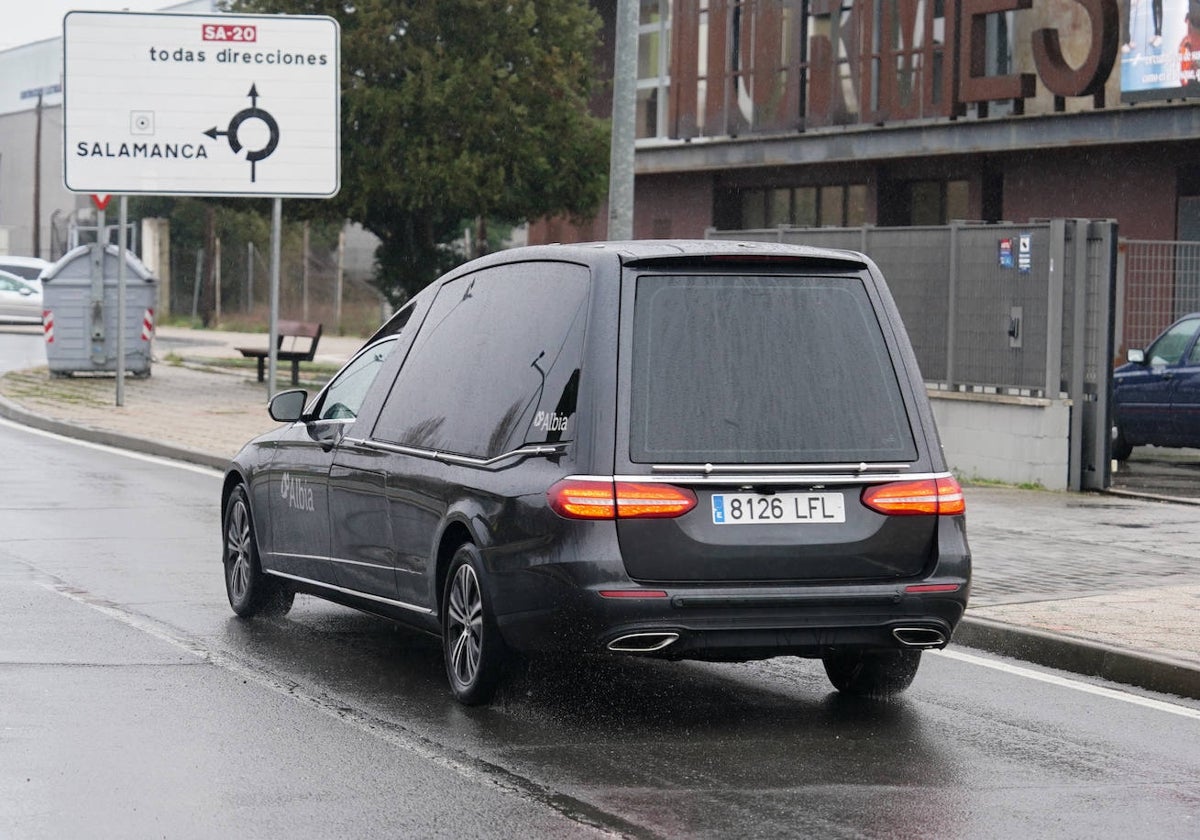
x,y
297,493
550,421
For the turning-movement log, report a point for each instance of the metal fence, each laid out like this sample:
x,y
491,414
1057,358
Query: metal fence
x,y
1024,310
1160,283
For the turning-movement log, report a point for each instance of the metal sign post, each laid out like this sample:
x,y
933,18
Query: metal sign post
x,y
122,222
273,317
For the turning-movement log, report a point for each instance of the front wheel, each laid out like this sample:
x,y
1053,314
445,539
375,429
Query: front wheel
x,y
250,591
476,657
862,673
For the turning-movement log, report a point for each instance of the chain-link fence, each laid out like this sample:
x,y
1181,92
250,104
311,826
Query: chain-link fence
x,y
1161,283
312,287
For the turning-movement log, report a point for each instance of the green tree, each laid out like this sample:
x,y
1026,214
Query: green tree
x,y
456,109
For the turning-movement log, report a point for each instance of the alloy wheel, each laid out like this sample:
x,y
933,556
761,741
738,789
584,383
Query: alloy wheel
x,y
237,550
465,624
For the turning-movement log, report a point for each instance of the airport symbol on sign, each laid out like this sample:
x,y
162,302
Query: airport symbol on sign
x,y
251,113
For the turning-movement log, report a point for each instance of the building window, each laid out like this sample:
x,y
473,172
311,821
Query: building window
x,y
937,202
654,62
833,205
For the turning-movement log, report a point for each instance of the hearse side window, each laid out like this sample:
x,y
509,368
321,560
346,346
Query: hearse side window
x,y
495,365
345,395
762,369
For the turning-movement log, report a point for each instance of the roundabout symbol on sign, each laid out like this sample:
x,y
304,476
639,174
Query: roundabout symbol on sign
x,y
251,113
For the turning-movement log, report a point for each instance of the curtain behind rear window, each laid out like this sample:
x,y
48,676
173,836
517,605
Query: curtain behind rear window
x,y
762,369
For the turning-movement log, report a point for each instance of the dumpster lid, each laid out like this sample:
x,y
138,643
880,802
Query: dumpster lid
x,y
135,268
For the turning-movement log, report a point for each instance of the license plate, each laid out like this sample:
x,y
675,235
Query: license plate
x,y
780,508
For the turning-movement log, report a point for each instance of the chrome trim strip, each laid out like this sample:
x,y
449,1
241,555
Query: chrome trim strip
x,y
743,469
359,563
354,592
460,460
298,556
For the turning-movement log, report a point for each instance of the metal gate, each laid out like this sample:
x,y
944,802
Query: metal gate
x,y
1026,310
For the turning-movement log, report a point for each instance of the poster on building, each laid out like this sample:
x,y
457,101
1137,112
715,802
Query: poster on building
x,y
1025,253
1160,49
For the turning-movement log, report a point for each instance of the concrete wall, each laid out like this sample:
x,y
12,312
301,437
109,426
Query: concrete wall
x,y
1020,440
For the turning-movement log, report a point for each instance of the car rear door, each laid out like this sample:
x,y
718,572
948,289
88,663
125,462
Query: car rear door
x,y
778,396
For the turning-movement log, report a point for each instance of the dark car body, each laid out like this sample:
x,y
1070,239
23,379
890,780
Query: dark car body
x,y
705,450
1156,394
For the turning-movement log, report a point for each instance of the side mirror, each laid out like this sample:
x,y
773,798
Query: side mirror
x,y
287,406
1137,357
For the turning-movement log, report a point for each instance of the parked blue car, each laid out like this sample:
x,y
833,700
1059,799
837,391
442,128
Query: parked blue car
x,y
1156,394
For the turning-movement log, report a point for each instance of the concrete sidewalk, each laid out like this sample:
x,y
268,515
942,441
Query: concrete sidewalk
x,y
1096,584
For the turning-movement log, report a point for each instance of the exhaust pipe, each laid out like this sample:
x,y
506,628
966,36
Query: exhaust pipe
x,y
642,642
920,637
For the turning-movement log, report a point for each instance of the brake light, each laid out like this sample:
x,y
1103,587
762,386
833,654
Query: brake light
x,y
942,496
588,498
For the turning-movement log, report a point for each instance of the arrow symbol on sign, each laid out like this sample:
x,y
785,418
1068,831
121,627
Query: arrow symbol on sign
x,y
231,132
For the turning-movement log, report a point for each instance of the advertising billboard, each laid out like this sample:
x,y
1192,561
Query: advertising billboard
x,y
1160,49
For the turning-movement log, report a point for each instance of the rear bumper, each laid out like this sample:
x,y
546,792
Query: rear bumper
x,y
742,624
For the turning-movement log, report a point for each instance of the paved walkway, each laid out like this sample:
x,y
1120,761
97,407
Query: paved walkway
x,y
1097,584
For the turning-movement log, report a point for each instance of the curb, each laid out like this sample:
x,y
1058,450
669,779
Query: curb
x,y
11,411
1080,656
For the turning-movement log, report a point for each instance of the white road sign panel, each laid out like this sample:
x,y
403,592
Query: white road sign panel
x,y
237,105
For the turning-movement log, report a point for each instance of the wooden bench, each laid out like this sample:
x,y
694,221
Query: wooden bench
x,y
294,353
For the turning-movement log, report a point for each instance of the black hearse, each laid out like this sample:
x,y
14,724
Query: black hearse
x,y
692,450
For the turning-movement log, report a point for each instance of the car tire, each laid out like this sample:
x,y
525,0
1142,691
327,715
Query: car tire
x,y
1121,448
250,591
475,654
862,673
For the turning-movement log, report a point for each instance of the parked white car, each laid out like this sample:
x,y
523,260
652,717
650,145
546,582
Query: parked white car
x,y
20,302
29,269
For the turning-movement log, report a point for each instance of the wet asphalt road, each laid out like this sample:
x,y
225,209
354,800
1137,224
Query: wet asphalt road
x,y
135,704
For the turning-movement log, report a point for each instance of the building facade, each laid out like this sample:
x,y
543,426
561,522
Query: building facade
x,y
758,113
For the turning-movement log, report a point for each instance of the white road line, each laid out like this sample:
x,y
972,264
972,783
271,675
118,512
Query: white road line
x,y
113,450
1066,682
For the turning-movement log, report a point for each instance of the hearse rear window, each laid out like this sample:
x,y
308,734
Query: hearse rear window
x,y
762,369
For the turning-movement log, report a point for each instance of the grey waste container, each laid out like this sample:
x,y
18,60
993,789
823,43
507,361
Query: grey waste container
x,y
79,295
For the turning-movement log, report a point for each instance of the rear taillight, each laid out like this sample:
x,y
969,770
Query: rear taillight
x,y
941,496
587,498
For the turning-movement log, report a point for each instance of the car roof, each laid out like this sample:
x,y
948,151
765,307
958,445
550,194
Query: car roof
x,y
644,252
35,262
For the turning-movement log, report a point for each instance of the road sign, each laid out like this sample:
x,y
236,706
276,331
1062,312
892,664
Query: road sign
x,y
237,105
101,201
